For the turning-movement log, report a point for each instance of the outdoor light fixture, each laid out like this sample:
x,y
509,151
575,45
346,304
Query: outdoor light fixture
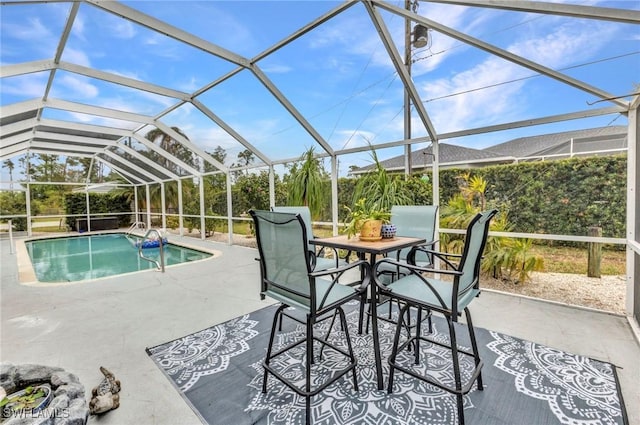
x,y
420,36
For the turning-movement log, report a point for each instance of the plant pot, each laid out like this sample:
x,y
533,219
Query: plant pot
x,y
22,401
371,230
388,231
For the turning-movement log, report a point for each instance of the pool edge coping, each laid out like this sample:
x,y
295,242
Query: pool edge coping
x,y
27,275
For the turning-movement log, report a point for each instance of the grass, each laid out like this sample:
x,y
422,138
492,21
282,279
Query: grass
x,y
561,259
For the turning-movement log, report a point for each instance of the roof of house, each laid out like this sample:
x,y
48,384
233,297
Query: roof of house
x,y
589,140
449,155
576,142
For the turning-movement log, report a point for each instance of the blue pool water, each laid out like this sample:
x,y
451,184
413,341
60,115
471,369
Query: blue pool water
x,y
78,258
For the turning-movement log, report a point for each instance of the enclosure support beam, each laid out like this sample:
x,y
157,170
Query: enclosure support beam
x,y
180,210
229,211
633,220
27,199
272,186
203,227
163,201
148,196
334,193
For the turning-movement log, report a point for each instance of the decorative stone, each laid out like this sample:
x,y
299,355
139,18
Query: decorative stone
x,y
71,390
61,378
32,374
68,406
59,403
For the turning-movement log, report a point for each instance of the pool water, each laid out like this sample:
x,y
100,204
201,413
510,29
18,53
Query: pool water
x,y
78,258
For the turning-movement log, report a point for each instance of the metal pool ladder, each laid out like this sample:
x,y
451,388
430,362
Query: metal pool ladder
x,y
159,264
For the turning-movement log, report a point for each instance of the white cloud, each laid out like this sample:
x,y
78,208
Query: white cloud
x,y
123,29
33,29
26,86
354,138
78,29
276,69
75,56
76,86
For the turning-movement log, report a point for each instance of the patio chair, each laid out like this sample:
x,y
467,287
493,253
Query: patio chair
x,y
414,221
447,298
288,277
318,261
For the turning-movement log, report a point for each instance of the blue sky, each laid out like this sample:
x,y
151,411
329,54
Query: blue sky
x,y
338,76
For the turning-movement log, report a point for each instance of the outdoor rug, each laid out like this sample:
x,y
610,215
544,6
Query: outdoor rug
x,y
218,371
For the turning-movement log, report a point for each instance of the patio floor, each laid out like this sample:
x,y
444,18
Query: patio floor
x,y
110,322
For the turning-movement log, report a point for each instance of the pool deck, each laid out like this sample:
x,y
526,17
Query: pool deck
x,y
109,322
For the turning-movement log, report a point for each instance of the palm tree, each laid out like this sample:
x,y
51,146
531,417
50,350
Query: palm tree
x,y
307,183
172,146
10,166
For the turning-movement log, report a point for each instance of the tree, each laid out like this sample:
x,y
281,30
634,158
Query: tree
x,y
10,166
245,158
172,146
307,183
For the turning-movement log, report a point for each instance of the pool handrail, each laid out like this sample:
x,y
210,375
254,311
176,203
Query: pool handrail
x,y
136,225
160,264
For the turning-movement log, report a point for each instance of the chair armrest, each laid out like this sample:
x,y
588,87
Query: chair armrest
x,y
444,256
340,269
414,268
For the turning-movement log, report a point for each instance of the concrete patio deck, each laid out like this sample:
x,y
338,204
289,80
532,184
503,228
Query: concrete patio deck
x,y
109,322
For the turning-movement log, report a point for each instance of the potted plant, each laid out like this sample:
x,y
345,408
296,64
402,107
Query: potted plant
x,y
365,220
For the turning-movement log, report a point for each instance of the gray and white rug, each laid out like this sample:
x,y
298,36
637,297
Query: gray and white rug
x,y
219,373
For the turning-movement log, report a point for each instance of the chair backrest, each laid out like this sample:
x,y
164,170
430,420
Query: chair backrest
x,y
418,221
284,259
474,243
305,214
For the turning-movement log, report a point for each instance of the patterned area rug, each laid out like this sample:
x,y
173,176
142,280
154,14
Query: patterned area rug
x,y
219,373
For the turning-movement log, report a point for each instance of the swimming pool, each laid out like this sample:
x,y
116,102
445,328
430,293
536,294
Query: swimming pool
x,y
77,258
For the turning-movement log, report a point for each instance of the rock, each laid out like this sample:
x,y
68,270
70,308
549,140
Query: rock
x,y
61,378
59,403
32,374
71,390
7,377
78,413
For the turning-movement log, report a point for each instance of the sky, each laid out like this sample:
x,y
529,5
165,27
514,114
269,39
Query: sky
x,y
338,76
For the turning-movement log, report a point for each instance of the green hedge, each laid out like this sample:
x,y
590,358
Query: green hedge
x,y
99,203
562,197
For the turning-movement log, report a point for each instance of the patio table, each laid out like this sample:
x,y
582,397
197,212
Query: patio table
x,y
374,249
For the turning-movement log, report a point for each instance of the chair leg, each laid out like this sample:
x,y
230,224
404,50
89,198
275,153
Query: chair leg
x,y
474,346
394,350
343,320
456,370
418,333
363,300
308,369
267,360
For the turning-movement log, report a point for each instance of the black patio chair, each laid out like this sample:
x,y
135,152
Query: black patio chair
x,y
447,298
288,277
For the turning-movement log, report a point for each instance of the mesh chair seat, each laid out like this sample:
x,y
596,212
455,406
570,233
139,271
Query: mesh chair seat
x,y
323,290
413,288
